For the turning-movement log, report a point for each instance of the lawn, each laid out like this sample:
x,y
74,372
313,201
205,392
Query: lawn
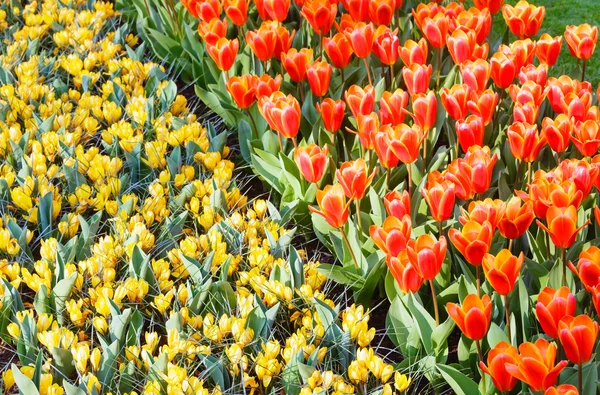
x,y
559,14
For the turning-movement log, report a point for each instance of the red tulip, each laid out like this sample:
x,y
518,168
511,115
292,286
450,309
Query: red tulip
x,y
503,70
525,113
516,219
482,211
528,92
319,75
455,100
392,236
223,52
552,306
338,50
312,161
386,44
417,78
473,19
205,10
386,156
358,9
404,272
483,104
320,14
502,271
405,141
532,73
578,337
354,179
413,52
359,100
557,132
525,142
262,42
440,197
482,167
473,241
265,85
332,114
332,203
473,317
470,131
397,204
579,172
535,365
368,126
435,30
282,113
524,20
502,354
581,40
562,225
212,31
427,255
283,38
392,107
461,45
586,137
381,12
521,52
295,63
242,90
424,110
547,49
361,38
277,9
563,389
492,5
237,11
588,267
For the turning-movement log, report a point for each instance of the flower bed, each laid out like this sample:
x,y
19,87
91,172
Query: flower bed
x,y
131,262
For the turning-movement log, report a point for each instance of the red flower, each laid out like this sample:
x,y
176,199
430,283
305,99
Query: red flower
x,y
473,19
392,236
476,74
392,107
492,5
354,179
473,317
359,100
320,14
404,272
319,75
562,225
563,389
461,45
312,161
361,38
413,52
524,20
503,70
358,9
282,113
242,90
223,52
578,337
582,40
427,255
502,354
368,126
435,30
532,73
212,31
277,9
381,12
473,241
265,85
424,110
516,219
470,132
482,167
547,49
439,195
397,204
262,41
338,50
417,78
237,11
588,267
332,114
455,100
502,271
386,156
386,45
552,306
405,141
525,142
586,137
295,63
557,132
332,203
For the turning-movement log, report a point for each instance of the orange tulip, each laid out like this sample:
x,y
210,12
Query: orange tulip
x,y
525,142
578,337
417,78
338,50
544,193
404,272
392,236
386,156
260,7
381,12
503,70
547,49
516,219
473,19
557,132
283,38
563,389
359,100
392,107
502,271
461,45
358,9
459,172
586,137
332,203
413,52
320,14
473,317
524,20
205,10
532,73
266,85
552,306
569,96
223,52
595,291
404,141
262,42
427,255
579,172
470,131
397,204
482,211
354,179
492,5
212,31
588,268
386,44
361,38
562,225
282,113
482,167
368,126
319,76
440,197
581,40
332,114
424,11
526,113
237,11
435,30
473,241
424,110
497,359
277,9
295,63
455,100
529,92
242,90
521,52
312,161
192,6
535,365
483,104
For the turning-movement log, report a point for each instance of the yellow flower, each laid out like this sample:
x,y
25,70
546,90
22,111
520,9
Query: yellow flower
x,y
401,382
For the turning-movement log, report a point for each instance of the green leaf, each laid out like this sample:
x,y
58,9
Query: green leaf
x,y
460,384
439,336
62,360
70,389
24,383
425,323
60,294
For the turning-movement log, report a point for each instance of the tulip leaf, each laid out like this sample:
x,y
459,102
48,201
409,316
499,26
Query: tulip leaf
x,y
590,377
62,360
496,335
460,384
440,334
24,383
425,323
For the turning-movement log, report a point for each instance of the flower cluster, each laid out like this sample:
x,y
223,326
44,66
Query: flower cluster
x,y
130,260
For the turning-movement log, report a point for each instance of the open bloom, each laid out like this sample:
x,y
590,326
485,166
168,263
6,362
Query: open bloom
x,y
404,141
502,270
427,255
332,114
586,137
516,219
524,19
223,52
552,306
581,40
536,365
473,241
497,359
404,272
473,317
439,195
588,267
563,389
578,337
332,204
393,235
562,225
312,161
354,179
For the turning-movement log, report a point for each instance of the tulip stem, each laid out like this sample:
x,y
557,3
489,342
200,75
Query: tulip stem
x,y
510,245
439,64
280,142
350,248
343,77
583,80
368,71
564,263
409,167
360,234
478,274
255,134
481,360
435,304
507,312
441,229
580,370
388,173
529,168
519,164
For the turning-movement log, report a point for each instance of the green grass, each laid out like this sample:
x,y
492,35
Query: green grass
x,y
559,14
